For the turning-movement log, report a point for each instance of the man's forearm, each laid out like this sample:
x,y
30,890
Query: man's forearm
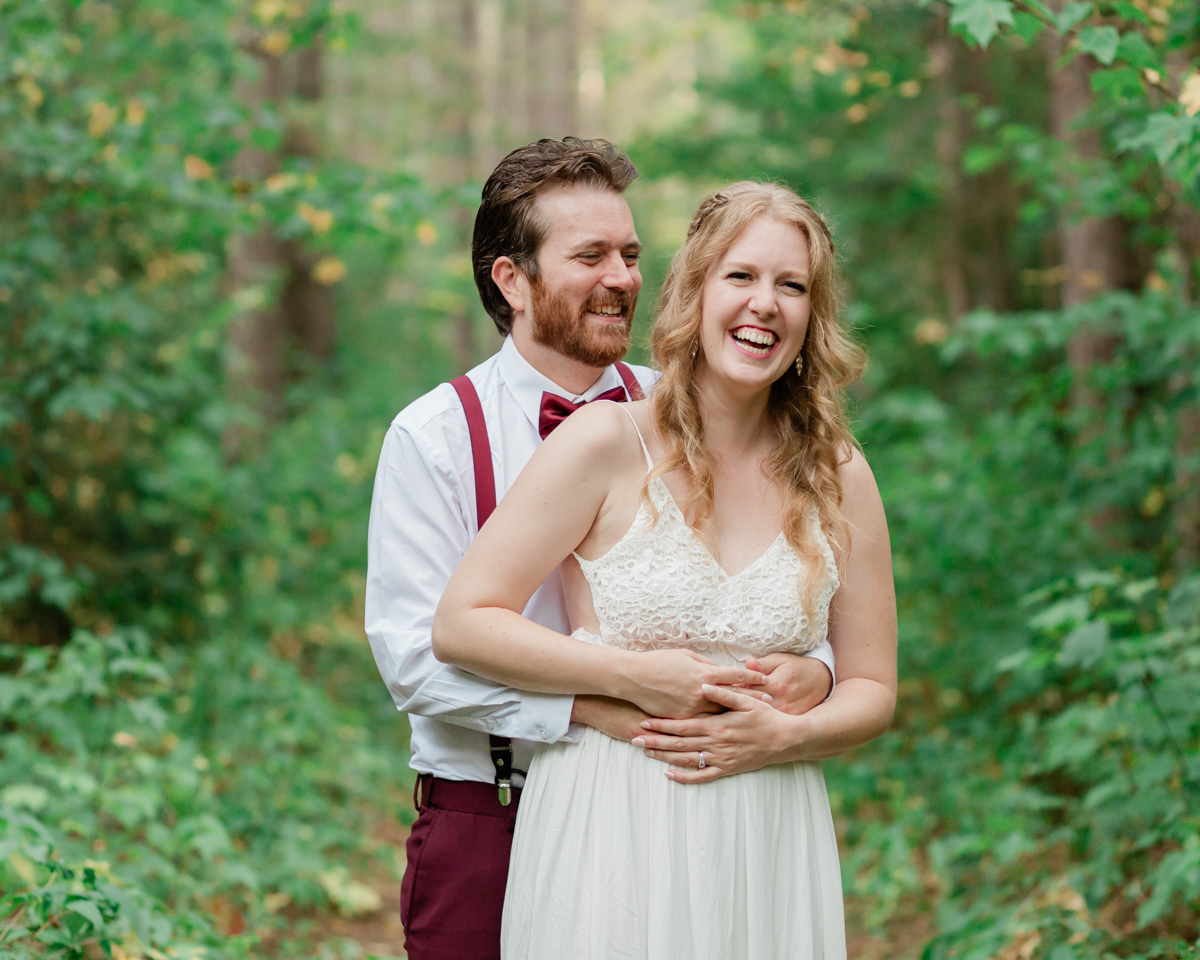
x,y
618,719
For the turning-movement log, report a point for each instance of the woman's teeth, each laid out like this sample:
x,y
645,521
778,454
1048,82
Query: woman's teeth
x,y
758,342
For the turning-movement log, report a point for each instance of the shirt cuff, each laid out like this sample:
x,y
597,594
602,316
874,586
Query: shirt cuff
x,y
824,653
543,718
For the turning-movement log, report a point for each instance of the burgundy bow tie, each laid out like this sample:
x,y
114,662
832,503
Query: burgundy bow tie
x,y
556,409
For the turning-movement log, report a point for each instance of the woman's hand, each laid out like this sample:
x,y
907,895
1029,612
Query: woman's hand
x,y
669,683
750,735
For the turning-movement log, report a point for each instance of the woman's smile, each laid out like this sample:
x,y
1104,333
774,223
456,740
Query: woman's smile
x,y
754,341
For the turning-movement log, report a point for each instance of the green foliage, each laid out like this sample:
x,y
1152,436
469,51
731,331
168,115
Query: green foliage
x,y
1037,796
193,744
186,748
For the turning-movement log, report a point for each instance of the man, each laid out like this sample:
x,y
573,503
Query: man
x,y
555,256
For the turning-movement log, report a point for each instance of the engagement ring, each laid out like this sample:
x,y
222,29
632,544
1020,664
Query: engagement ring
x,y
702,763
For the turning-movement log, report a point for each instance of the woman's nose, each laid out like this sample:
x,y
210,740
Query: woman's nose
x,y
763,300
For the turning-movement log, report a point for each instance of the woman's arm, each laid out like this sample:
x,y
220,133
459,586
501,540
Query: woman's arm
x,y
562,493
863,634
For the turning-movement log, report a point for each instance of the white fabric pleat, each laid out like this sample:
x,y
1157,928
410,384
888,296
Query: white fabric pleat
x,y
613,861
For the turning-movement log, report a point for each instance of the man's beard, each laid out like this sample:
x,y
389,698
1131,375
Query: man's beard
x,y
573,335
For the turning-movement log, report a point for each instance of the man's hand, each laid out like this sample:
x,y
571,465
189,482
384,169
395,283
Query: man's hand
x,y
615,718
795,684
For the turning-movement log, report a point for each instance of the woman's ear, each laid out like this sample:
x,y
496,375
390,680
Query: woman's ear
x,y
511,281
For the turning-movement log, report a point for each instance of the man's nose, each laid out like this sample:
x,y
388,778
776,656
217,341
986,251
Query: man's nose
x,y
618,275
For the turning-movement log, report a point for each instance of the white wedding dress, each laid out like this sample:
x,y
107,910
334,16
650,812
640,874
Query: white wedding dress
x,y
613,861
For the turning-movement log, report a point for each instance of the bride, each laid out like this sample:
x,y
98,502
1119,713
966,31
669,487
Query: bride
x,y
726,518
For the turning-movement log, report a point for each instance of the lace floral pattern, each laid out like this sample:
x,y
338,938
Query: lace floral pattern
x,y
659,587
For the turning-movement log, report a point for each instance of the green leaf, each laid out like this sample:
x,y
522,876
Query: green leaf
x,y
1119,83
981,19
1085,646
24,795
1136,52
1183,604
1072,610
981,158
1071,14
1100,42
89,911
1163,134
1027,26
1127,10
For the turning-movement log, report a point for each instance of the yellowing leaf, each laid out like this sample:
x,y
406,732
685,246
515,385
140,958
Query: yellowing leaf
x,y
268,10
349,896
102,119
320,220
426,233
1189,96
275,42
135,113
329,271
278,182
197,168
31,91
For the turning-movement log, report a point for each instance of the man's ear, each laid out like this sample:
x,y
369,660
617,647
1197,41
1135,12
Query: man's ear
x,y
511,281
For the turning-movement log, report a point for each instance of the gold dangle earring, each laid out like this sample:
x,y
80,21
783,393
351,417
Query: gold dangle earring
x,y
695,349
800,364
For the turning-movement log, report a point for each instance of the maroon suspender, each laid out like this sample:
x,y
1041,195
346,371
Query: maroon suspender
x,y
485,503
481,450
632,387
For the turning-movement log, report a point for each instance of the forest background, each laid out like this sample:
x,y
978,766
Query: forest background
x,y
233,243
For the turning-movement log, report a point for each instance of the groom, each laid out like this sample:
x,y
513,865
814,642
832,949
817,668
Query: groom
x,y
555,256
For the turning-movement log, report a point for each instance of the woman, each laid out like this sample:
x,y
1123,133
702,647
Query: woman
x,y
711,523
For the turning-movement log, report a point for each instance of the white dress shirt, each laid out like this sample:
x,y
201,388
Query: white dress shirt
x,y
422,521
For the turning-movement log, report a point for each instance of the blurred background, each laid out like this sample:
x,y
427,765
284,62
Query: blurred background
x,y
234,243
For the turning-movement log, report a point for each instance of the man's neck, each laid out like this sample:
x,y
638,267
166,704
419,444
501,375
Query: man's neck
x,y
572,376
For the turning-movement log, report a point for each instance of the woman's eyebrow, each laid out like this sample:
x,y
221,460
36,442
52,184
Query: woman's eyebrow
x,y
787,274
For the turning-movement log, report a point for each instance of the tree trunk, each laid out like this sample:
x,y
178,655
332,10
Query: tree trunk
x,y
553,65
302,314
1185,511
949,145
1091,247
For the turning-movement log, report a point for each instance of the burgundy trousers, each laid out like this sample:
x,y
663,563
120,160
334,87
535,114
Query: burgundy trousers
x,y
452,895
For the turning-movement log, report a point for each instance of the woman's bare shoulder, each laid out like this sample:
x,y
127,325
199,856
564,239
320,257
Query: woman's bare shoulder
x,y
597,434
860,493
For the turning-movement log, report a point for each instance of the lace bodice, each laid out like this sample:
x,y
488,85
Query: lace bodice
x,y
659,587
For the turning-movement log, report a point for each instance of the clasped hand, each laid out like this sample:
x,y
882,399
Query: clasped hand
x,y
747,734
667,683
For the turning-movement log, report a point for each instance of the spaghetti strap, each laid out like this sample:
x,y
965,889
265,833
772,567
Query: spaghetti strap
x,y
649,462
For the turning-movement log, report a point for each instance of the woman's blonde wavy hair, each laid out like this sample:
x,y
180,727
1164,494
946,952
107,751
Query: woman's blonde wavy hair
x,y
813,436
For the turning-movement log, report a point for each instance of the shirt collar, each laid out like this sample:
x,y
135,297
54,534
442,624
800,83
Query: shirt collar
x,y
527,384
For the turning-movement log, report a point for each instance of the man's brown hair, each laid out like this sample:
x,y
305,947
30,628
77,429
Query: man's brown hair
x,y
506,224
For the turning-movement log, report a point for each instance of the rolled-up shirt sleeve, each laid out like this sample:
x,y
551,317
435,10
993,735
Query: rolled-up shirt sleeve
x,y
824,653
421,525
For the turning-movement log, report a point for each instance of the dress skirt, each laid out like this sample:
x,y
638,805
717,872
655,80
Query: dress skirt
x,y
613,861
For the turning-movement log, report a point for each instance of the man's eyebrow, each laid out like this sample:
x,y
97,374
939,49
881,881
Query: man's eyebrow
x,y
600,244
